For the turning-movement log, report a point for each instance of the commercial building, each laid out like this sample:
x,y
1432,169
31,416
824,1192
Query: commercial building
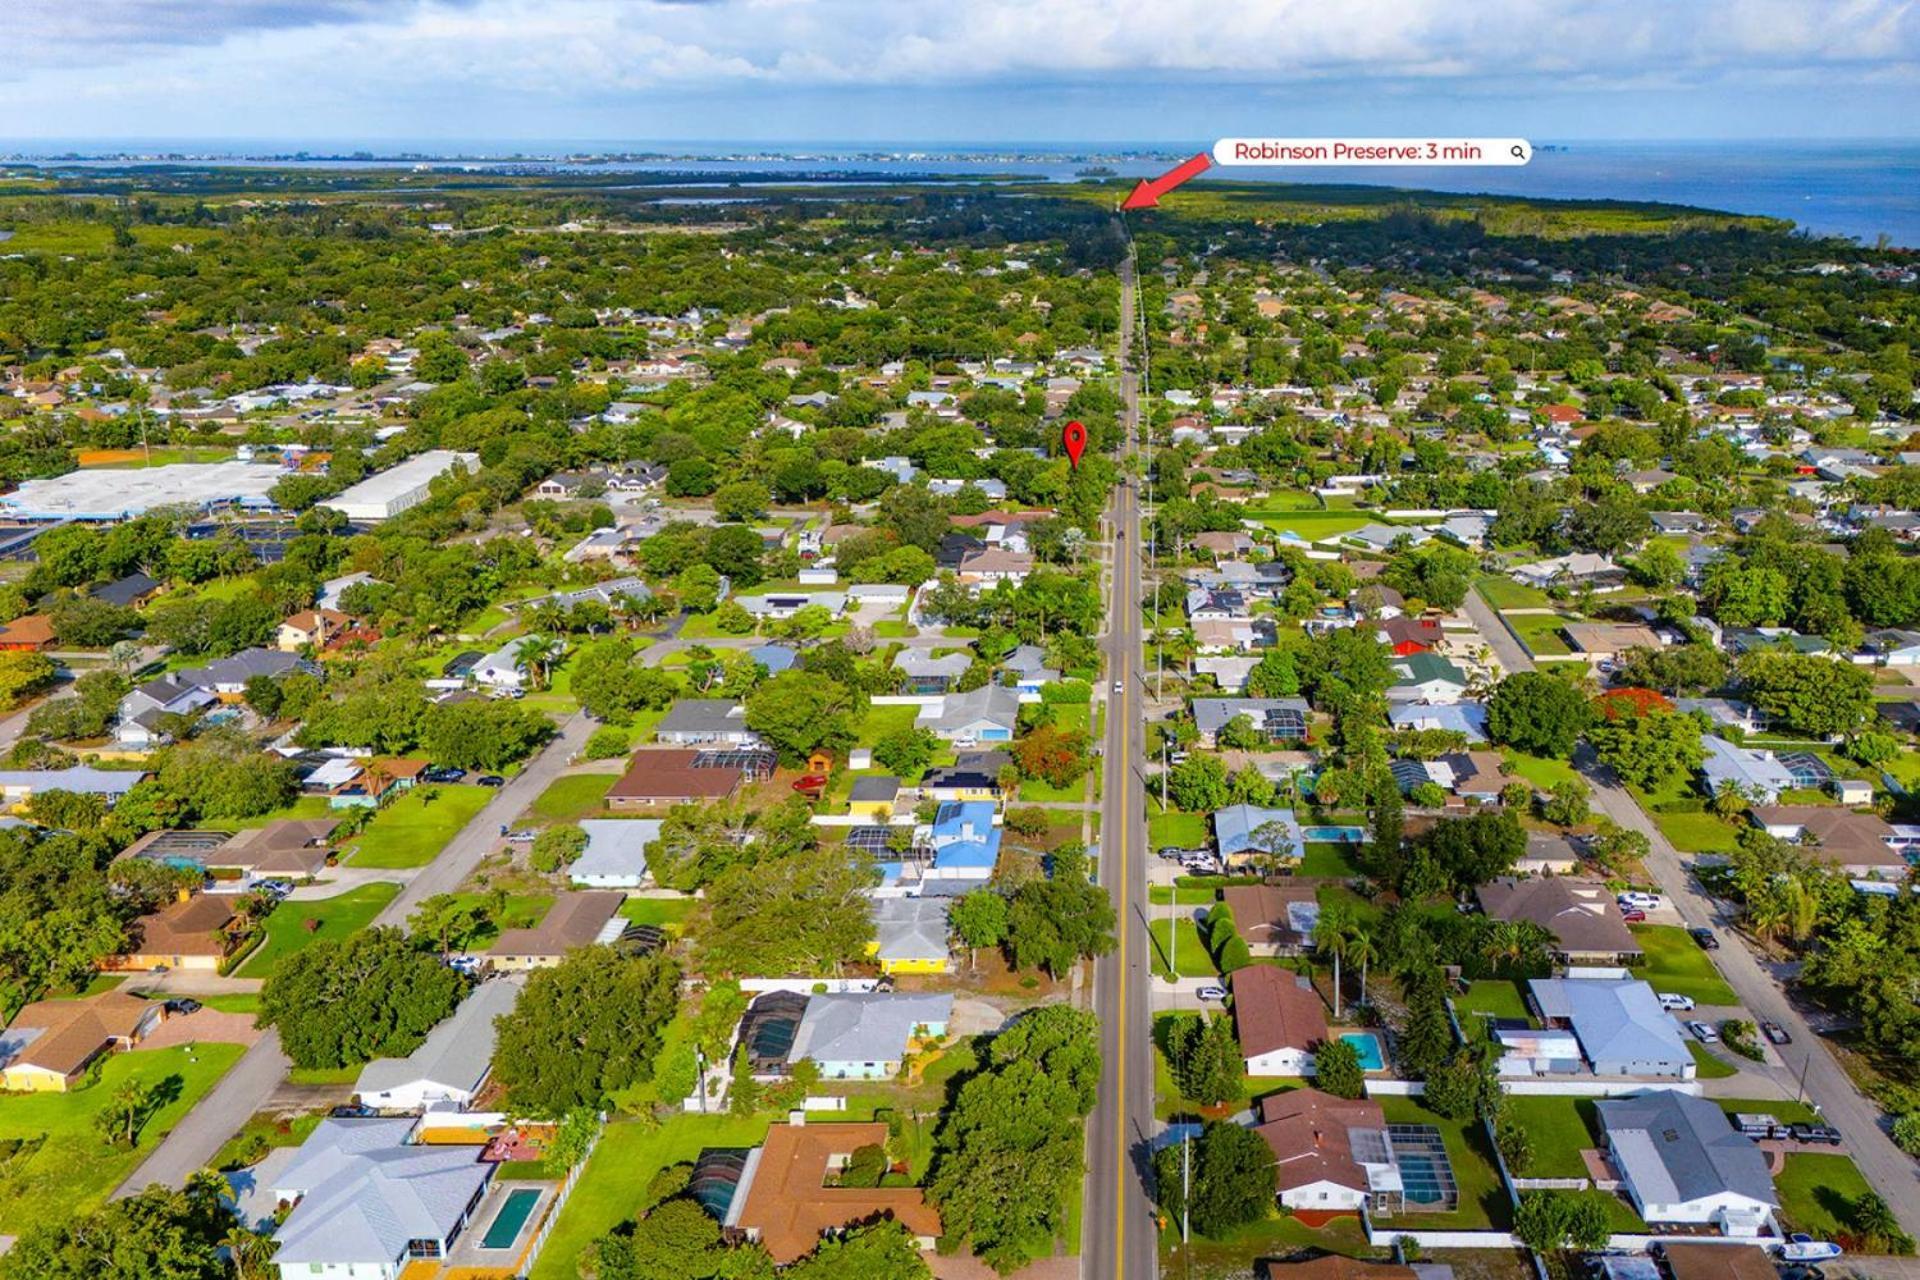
x,y
386,495
105,494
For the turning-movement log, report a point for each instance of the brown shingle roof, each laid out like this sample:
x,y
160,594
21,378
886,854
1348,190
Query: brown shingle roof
x,y
670,775
189,928
291,847
1336,1267
1845,838
1307,1130
1581,914
788,1205
574,920
1272,1010
73,1031
1260,912
1717,1262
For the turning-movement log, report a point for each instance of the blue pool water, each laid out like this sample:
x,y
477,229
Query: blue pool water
x,y
513,1214
1334,835
1368,1044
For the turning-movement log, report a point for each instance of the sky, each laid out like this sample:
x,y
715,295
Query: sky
x,y
491,72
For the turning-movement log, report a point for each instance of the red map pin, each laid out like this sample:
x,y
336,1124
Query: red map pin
x,y
1073,438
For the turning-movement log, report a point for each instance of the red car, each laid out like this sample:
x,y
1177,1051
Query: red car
x,y
1633,915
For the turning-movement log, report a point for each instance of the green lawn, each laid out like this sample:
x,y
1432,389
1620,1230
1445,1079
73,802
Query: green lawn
x,y
1542,773
1540,632
665,912
1710,1067
1495,998
1329,859
1676,963
1183,830
628,1157
1561,1128
573,796
61,1167
304,808
1037,791
1818,1192
1187,896
265,1131
1505,593
413,830
1190,957
1698,832
1483,1201
1779,1109
1278,1235
881,721
521,911
339,917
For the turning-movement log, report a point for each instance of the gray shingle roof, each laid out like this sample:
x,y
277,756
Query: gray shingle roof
x,y
864,1026
456,1054
363,1195
1675,1148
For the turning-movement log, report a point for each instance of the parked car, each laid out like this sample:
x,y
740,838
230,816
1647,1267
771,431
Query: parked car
x,y
1634,915
1703,1033
278,888
1211,993
491,780
1637,898
524,835
1776,1033
1816,1133
1704,936
351,1111
1673,1000
1174,853
442,773
185,1004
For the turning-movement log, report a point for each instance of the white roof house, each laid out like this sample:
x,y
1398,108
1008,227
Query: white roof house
x,y
452,1063
362,1196
1758,774
1621,1026
501,669
1682,1161
616,853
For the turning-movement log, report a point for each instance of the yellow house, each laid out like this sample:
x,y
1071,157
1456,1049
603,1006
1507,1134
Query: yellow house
x,y
50,1043
910,935
872,798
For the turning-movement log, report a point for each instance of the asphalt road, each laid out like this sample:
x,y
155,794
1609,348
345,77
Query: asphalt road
x,y
1892,1173
1119,1237
1511,653
246,1089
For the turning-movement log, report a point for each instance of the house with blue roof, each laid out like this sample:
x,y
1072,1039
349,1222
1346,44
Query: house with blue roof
x,y
964,839
1244,830
774,657
1469,718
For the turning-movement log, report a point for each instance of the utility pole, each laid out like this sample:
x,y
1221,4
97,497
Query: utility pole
x,y
1186,1181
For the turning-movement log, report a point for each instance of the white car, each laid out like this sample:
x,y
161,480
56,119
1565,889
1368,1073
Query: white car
x,y
1211,993
1703,1033
1674,1002
1639,901
1119,686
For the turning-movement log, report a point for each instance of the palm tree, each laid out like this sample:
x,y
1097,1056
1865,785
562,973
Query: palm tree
x,y
1332,933
537,654
1362,947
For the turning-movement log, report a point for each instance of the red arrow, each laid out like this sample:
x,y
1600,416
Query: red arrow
x,y
1147,192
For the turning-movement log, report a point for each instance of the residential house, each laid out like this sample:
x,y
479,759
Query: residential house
x,y
49,1045
1214,636
294,848
910,935
781,1199
1582,916
1229,544
312,628
1572,570
663,778
1274,719
1681,1162
1858,844
575,920
1725,713
189,933
226,678
1408,636
18,786
1548,855
698,721
974,776
1230,674
926,674
987,714
377,782
872,798
965,840
503,669
616,852
1469,718
1243,833
1427,677
1608,641
1279,1019
1621,1027
1893,648
129,592
452,1064
144,708
1273,919
1332,1153
866,1035
994,565
1028,667
29,633
1757,775
366,1201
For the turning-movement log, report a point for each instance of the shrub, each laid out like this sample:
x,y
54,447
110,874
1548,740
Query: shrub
x,y
605,743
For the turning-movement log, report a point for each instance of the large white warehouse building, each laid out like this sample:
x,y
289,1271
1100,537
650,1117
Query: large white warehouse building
x,y
386,495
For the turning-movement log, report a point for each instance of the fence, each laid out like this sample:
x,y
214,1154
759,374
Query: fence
x,y
1551,1184
560,1198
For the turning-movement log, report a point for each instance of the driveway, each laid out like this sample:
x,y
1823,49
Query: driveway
x,y
204,1130
205,1026
1511,653
335,881
1893,1174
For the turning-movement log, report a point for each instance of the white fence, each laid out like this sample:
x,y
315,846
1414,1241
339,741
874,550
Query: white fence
x,y
806,986
1395,1088
1384,1237
1592,1087
559,1202
1551,1184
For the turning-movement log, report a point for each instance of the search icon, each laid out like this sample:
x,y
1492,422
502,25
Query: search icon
x,y
1519,152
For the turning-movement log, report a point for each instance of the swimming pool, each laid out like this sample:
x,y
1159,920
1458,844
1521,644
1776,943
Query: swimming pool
x,y
513,1215
1368,1045
1334,835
